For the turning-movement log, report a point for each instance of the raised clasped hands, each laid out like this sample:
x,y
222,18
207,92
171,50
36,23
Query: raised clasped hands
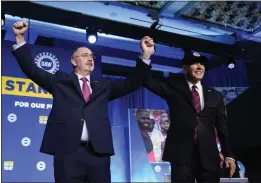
x,y
147,47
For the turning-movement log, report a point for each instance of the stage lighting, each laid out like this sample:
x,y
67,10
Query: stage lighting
x,y
231,62
92,39
91,35
231,66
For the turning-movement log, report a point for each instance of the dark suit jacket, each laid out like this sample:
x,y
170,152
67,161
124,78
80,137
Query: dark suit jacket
x,y
183,116
64,126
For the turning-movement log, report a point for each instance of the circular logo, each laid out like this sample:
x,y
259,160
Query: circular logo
x,y
47,62
196,54
26,141
157,168
12,117
41,166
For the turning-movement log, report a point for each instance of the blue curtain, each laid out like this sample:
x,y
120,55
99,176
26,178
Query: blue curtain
x,y
222,76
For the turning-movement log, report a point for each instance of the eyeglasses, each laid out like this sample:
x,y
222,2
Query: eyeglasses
x,y
86,55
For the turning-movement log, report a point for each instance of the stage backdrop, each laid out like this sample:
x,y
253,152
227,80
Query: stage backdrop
x,y
25,109
148,131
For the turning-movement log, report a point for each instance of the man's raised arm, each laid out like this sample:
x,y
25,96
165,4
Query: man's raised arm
x,y
23,56
160,88
123,87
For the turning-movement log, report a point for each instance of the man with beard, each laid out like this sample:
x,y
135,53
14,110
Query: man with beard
x,y
164,125
143,119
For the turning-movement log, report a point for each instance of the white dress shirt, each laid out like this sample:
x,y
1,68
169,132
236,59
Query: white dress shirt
x,y
84,136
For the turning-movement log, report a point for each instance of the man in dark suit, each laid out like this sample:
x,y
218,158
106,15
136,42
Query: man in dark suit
x,y
195,111
78,131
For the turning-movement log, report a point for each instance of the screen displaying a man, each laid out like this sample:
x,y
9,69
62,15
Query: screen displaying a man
x,y
144,121
164,128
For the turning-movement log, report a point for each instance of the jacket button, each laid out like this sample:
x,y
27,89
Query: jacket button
x,y
82,120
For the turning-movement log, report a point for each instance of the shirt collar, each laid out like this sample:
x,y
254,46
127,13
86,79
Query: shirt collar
x,y
199,86
79,77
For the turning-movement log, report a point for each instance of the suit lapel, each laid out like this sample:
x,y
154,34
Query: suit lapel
x,y
182,85
76,83
188,94
95,85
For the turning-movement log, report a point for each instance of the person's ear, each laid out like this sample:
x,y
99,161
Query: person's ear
x,y
73,62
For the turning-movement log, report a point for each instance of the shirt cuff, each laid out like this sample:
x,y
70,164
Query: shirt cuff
x,y
16,46
230,158
146,61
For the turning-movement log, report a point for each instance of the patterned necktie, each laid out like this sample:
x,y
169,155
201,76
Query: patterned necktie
x,y
196,101
196,98
85,89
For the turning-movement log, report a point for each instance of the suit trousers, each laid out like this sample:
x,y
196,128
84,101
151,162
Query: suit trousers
x,y
193,171
82,165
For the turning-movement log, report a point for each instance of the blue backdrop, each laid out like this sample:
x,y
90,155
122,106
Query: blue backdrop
x,y
24,117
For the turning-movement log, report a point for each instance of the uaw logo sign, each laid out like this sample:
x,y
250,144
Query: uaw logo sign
x,y
47,62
